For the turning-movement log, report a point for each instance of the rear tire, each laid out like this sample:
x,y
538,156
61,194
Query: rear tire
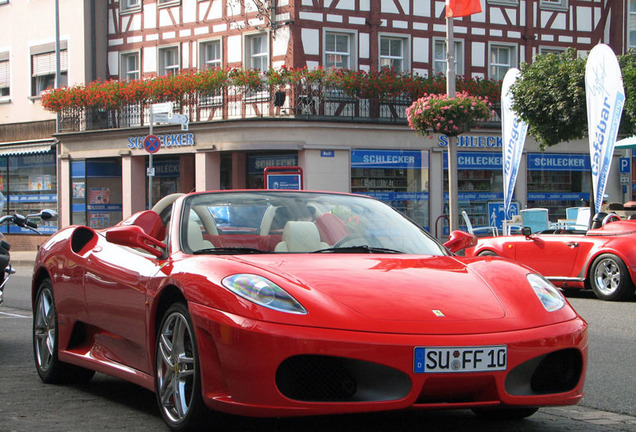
x,y
505,413
45,342
609,278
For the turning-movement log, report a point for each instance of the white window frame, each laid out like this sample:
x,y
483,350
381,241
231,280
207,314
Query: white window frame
x,y
350,54
204,62
631,24
504,2
256,60
439,64
126,74
43,69
404,57
5,76
166,3
560,5
512,50
163,67
130,5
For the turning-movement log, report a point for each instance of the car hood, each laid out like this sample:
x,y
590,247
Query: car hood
x,y
405,294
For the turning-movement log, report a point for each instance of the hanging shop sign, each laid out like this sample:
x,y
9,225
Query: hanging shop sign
x,y
473,141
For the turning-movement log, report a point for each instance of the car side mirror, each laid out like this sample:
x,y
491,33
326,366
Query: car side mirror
x,y
526,231
459,240
48,215
134,236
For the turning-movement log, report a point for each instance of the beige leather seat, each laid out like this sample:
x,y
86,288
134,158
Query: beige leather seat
x,y
300,236
195,237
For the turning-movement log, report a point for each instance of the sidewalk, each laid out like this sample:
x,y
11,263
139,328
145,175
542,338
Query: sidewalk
x,y
22,258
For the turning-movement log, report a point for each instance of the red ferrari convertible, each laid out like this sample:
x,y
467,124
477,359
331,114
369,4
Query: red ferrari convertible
x,y
290,303
602,259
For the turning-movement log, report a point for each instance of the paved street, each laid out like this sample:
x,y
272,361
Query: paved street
x,y
110,404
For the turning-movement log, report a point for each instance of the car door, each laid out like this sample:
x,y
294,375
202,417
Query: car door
x,y
552,255
116,281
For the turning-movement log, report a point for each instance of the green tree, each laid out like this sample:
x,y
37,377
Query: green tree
x,y
550,97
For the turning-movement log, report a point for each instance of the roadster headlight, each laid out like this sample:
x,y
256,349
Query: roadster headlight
x,y
263,292
550,297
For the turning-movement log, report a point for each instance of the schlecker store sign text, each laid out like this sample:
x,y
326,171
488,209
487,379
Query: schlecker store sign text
x,y
473,141
167,140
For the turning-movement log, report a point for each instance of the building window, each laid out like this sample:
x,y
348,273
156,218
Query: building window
x,y
393,52
168,61
551,50
129,66
129,5
43,66
168,2
339,50
503,2
256,52
439,57
632,23
5,76
502,58
210,55
554,4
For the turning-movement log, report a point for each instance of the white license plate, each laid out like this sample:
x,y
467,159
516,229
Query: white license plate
x,y
460,359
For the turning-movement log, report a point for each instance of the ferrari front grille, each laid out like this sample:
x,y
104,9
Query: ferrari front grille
x,y
317,378
556,372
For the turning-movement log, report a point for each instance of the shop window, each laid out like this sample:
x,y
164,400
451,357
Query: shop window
x,y
5,76
393,52
129,66
168,61
479,182
339,49
257,162
439,57
29,183
398,177
96,192
558,181
43,68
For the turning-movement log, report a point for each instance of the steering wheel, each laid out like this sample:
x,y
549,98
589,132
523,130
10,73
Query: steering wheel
x,y
612,217
349,239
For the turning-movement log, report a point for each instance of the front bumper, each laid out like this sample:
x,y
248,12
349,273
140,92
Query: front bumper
x,y
250,367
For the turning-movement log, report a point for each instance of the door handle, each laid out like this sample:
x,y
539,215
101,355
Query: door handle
x,y
572,244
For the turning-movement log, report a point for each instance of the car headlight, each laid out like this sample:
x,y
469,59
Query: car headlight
x,y
263,292
550,297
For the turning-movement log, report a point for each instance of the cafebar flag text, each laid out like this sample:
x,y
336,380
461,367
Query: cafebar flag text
x,y
461,8
605,98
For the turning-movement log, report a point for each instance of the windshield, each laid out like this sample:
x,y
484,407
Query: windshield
x,y
291,222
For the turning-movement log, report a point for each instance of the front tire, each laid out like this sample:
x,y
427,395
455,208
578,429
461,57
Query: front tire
x,y
609,278
177,375
45,342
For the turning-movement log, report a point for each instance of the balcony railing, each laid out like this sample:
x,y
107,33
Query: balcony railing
x,y
234,103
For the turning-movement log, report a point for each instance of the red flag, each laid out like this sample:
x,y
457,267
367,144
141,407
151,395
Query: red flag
x,y
460,8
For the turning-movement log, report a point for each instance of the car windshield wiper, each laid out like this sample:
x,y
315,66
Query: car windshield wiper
x,y
229,251
360,248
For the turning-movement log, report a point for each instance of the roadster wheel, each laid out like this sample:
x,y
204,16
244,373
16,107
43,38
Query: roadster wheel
x,y
177,376
610,279
45,342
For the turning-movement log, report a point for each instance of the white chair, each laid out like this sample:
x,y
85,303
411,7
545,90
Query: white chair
x,y
478,230
582,219
300,236
535,218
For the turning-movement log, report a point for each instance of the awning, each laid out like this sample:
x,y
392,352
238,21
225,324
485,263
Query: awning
x,y
626,143
25,148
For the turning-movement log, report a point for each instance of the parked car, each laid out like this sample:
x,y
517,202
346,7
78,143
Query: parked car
x,y
602,259
290,303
